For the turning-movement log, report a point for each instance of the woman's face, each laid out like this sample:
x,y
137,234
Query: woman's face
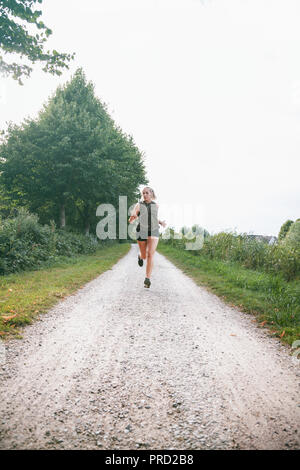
x,y
147,195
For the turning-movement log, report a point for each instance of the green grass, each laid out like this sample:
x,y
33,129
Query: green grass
x,y
26,295
273,301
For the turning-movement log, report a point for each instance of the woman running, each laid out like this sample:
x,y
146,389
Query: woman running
x,y
147,230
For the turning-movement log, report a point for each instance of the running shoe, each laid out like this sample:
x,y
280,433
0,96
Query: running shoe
x,y
140,261
147,282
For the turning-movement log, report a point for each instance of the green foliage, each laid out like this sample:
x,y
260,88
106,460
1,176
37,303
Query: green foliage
x,y
282,258
26,244
292,238
29,294
284,229
16,17
274,300
7,204
71,159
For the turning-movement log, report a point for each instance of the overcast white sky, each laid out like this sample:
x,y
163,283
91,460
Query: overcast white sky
x,y
209,89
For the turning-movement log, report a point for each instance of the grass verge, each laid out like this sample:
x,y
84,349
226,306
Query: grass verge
x,y
25,295
274,301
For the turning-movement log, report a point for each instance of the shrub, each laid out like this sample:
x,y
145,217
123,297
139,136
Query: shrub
x,y
282,258
292,238
284,229
25,244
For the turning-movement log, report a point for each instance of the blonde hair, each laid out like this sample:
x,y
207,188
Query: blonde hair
x,y
150,189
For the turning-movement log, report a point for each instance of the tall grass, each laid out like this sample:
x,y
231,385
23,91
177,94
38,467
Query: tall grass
x,y
278,258
262,279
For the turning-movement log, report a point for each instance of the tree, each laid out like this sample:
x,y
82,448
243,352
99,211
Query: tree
x,y
6,205
15,38
284,229
71,158
292,238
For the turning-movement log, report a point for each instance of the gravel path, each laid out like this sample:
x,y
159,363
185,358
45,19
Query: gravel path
x,y
118,366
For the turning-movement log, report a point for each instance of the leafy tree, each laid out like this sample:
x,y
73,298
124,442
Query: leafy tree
x,y
71,158
292,238
16,16
4,203
284,229
8,205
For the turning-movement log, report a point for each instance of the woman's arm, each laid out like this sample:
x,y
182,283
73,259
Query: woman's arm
x,y
134,213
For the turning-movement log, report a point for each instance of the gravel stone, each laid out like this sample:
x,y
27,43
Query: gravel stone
x,y
215,380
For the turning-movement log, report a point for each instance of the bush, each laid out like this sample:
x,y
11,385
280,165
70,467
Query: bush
x,y
282,258
284,229
25,244
292,238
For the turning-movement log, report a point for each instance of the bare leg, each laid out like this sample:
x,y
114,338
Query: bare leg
x,y
143,248
151,247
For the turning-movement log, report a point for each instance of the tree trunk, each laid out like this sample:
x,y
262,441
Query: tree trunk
x,y
87,227
62,216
